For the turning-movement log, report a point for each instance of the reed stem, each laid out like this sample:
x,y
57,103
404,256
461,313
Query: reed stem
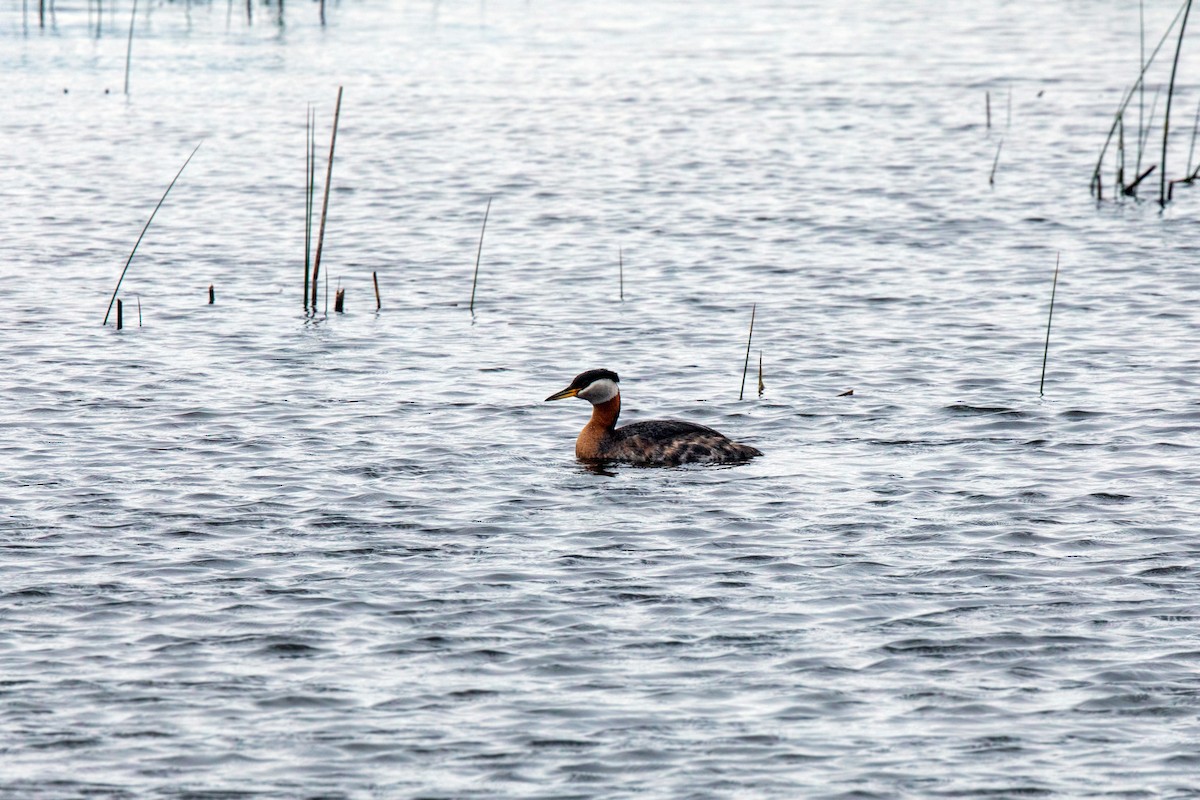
x,y
378,302
761,386
1049,320
988,102
143,233
325,204
621,268
120,316
129,46
309,156
212,297
1162,175
995,163
750,338
479,253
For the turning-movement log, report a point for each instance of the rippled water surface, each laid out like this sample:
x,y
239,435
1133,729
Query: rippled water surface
x,y
245,552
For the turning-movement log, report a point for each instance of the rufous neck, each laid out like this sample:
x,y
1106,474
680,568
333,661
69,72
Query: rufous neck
x,y
605,414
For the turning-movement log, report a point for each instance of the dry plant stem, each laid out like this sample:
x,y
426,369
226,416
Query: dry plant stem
x,y
761,386
378,302
143,233
750,338
120,316
988,103
325,204
479,253
212,297
621,271
1162,175
339,301
995,163
139,299
129,46
1049,320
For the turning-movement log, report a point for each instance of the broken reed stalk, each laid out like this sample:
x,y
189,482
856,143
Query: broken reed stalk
x,y
995,163
750,338
129,46
339,301
143,233
139,299
1129,96
761,385
120,316
325,204
988,102
378,303
1162,175
212,297
479,253
1049,319
621,268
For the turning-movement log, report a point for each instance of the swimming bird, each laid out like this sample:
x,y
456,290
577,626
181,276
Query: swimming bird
x,y
665,442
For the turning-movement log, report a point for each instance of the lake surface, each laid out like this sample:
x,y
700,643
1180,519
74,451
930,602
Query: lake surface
x,y
249,552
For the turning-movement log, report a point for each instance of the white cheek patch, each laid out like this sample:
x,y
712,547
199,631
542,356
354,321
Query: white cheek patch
x,y
599,391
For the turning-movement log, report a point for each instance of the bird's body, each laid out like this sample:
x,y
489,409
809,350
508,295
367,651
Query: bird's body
x,y
654,442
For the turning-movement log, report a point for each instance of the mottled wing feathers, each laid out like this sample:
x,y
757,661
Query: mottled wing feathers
x,y
671,442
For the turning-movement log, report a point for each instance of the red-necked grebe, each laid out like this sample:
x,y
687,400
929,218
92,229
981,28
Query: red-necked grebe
x,y
665,442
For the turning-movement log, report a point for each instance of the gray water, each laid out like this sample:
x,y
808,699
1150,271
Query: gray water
x,y
252,553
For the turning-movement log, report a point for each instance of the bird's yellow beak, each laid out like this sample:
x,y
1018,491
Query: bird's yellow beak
x,y
565,393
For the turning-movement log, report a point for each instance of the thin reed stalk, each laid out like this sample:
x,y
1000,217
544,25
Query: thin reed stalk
x,y
378,302
621,268
995,163
120,316
1144,134
1049,320
139,299
309,168
212,296
761,386
479,253
749,339
1192,147
143,233
129,46
325,205
1162,175
988,103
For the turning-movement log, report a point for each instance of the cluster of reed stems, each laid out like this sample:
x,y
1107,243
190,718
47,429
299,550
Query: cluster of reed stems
x,y
1127,182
